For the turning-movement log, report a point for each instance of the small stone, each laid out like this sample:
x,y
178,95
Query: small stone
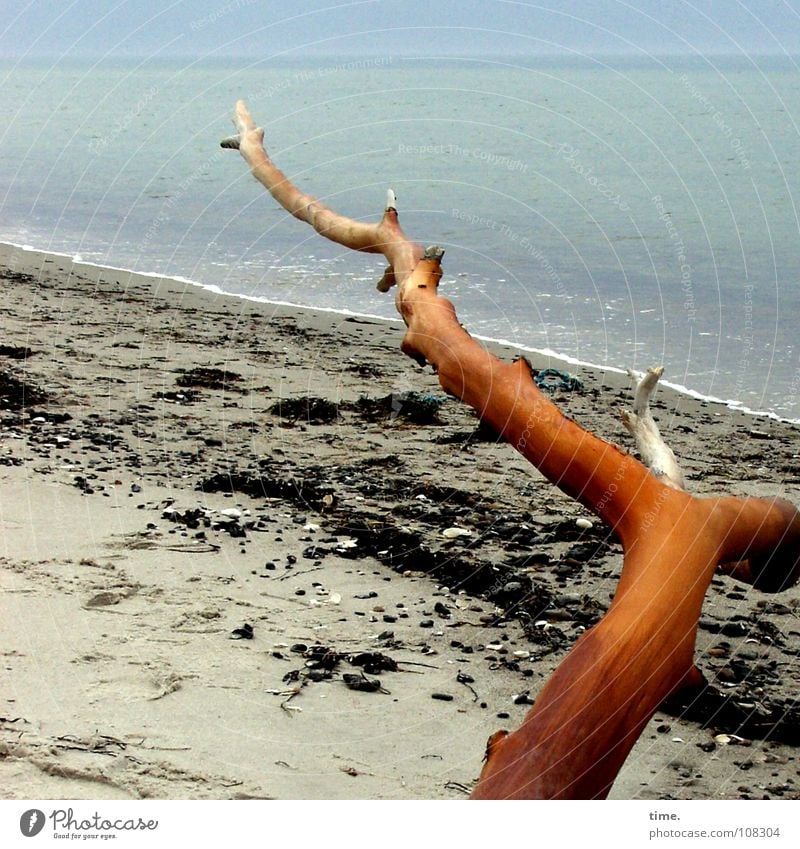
x,y
243,633
442,697
426,623
583,524
454,533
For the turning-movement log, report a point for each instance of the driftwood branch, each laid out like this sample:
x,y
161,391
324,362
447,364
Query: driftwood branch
x,y
655,453
593,708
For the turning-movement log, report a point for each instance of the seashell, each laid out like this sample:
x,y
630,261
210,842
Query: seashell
x,y
454,533
335,598
231,513
494,646
723,739
523,654
311,527
584,524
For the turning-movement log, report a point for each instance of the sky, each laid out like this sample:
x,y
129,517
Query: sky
x,y
309,28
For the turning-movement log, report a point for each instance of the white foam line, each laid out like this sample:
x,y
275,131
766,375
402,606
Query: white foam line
x,y
731,404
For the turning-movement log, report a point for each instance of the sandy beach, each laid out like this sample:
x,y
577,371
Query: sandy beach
x,y
253,552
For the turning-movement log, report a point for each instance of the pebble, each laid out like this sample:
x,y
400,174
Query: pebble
x,y
454,533
442,697
426,623
584,524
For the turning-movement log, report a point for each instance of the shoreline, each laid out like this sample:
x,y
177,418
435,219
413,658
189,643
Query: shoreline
x,y
179,464
505,344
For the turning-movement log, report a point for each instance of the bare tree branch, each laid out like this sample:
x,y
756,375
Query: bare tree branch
x,y
591,711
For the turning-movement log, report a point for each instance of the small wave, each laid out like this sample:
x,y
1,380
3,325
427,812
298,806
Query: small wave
x,y
731,404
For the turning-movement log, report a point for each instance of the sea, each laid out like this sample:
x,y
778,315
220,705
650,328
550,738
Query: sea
x,y
619,212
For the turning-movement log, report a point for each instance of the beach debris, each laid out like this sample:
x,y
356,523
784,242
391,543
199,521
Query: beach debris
x,y
308,409
583,524
243,633
467,681
552,379
185,396
455,533
731,740
109,598
166,685
373,663
205,377
18,392
442,697
15,352
83,484
420,408
442,610
363,684
458,787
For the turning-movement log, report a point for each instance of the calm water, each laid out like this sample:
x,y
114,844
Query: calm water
x,y
623,215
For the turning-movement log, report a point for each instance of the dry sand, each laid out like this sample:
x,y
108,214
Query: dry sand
x,y
154,500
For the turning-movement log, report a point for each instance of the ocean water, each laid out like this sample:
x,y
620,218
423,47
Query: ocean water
x,y
623,213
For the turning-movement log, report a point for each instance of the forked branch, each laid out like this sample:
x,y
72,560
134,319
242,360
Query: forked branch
x,y
591,711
